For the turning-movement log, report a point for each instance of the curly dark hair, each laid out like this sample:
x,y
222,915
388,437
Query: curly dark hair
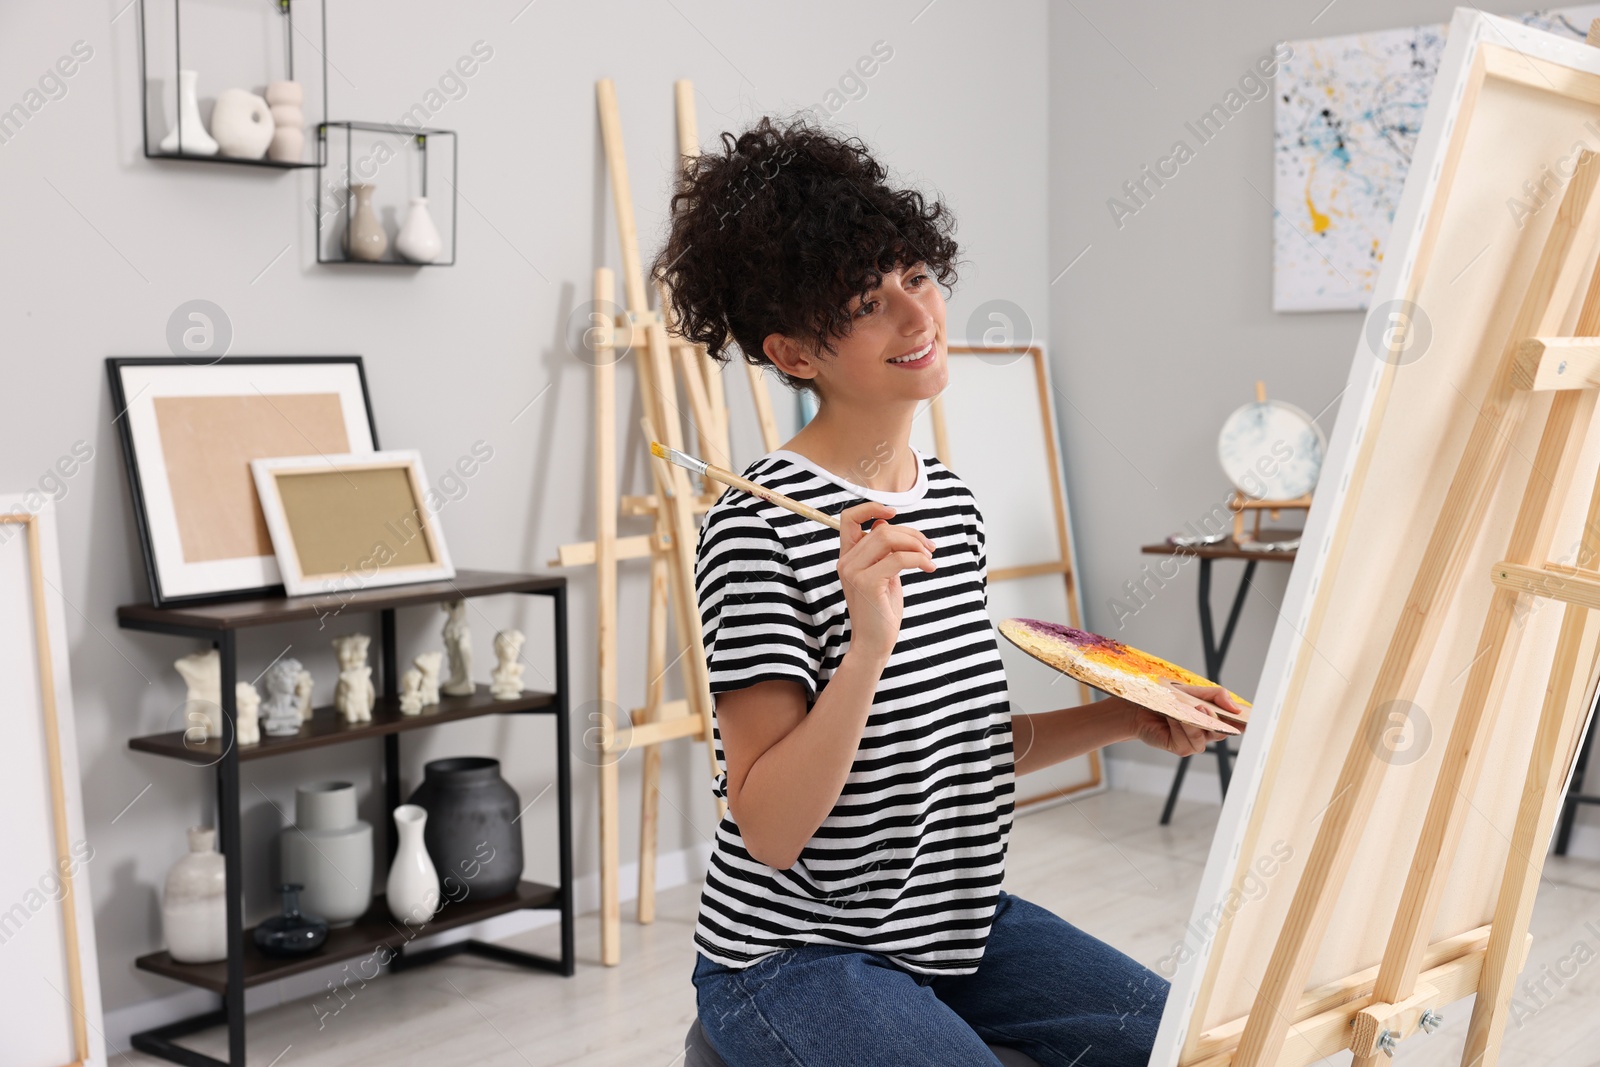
x,y
779,231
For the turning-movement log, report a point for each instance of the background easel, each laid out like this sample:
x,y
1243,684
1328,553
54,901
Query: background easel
x,y
661,365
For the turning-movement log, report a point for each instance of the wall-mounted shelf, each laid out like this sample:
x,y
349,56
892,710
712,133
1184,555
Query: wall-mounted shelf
x,y
152,150
331,224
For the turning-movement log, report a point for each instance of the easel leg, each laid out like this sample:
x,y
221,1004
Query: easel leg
x,y
650,787
1564,711
605,558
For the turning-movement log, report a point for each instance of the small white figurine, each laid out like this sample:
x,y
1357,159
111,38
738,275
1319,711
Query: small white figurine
x,y
280,712
246,713
355,695
507,672
411,692
428,664
458,645
203,706
302,691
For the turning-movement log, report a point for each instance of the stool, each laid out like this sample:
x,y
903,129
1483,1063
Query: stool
x,y
699,1053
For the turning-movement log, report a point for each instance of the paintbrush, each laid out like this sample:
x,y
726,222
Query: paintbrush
x,y
727,477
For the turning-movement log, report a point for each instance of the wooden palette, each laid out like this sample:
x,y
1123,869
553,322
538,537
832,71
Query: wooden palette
x,y
1115,668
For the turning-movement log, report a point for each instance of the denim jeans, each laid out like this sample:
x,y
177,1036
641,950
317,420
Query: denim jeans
x,y
1043,987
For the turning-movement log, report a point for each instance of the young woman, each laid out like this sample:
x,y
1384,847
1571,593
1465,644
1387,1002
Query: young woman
x,y
853,912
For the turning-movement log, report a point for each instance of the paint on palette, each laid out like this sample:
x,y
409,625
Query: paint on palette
x,y
1346,121
1112,667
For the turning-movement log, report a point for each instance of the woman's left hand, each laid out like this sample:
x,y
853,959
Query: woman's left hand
x,y
1179,738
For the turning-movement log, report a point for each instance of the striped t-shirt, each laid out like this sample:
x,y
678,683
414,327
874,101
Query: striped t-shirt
x,y
909,862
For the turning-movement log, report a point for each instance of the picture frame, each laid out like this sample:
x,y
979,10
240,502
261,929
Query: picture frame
x,y
48,959
353,521
189,430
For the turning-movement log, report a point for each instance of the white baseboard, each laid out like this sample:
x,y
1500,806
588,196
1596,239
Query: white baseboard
x,y
672,869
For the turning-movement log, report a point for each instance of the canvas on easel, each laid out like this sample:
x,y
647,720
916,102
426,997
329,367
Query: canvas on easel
x,y
1434,659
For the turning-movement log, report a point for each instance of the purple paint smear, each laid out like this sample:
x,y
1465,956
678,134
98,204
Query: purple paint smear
x,y
1078,637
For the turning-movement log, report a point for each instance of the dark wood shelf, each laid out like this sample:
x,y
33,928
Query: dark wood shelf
x,y
376,928
268,611
327,727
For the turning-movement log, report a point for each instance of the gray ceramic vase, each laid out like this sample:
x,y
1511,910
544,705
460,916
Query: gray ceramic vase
x,y
472,835
364,236
329,852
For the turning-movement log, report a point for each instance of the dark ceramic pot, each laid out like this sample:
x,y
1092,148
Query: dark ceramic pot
x,y
471,835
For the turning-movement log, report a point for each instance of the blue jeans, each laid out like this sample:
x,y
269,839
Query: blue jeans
x,y
1043,987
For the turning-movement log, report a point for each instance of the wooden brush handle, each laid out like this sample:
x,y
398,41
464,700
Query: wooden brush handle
x,y
727,477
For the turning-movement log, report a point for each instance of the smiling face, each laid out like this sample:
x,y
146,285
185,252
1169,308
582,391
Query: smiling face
x,y
895,349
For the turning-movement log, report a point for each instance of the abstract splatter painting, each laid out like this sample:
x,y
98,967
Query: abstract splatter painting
x,y
1346,120
1115,668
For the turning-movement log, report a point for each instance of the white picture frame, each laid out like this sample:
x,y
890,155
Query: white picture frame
x,y
48,963
344,523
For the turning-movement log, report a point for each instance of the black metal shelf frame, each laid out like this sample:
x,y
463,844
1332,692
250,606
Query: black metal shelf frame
x,y
160,1040
418,135
286,7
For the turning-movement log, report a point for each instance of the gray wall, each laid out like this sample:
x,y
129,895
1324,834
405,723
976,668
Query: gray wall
x,y
103,245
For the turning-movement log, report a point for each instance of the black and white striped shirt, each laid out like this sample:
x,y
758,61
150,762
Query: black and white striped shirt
x,y
910,860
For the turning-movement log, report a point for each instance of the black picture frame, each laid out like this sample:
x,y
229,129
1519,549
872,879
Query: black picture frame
x,y
120,401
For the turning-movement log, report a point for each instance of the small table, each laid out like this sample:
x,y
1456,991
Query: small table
x,y
1214,649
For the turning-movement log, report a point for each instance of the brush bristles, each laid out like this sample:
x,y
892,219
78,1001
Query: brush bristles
x,y
682,459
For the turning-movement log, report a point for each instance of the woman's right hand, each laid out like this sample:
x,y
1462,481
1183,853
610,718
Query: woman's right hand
x,y
870,562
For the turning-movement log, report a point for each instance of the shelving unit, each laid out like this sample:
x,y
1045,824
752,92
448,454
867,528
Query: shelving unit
x,y
219,623
286,8
416,135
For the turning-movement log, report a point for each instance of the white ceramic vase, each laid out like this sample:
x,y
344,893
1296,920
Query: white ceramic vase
x,y
196,141
194,902
328,851
242,124
419,240
288,135
413,888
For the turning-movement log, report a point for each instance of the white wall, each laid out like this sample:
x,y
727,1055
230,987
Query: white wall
x,y
1164,325
102,245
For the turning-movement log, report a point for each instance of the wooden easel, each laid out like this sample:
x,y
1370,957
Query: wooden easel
x,y
670,546
1416,979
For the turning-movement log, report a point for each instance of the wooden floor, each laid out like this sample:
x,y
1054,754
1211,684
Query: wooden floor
x,y
1103,863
